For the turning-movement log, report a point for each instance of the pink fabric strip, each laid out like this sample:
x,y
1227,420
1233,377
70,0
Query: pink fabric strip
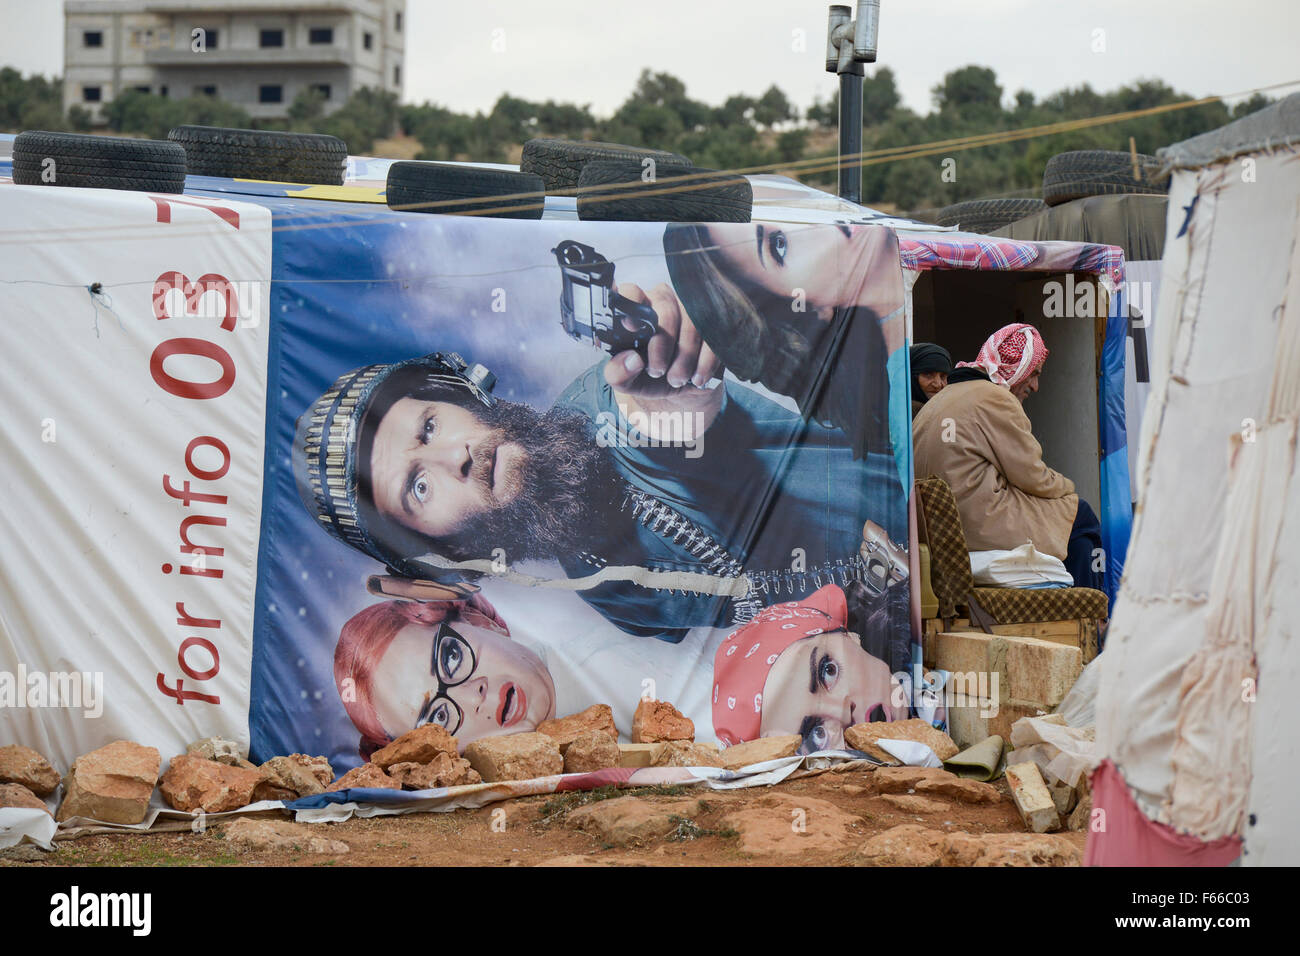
x,y
1122,835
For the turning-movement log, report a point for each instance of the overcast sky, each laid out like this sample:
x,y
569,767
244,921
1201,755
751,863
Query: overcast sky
x,y
465,55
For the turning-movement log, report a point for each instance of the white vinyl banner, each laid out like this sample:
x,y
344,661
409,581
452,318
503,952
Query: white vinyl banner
x,y
133,332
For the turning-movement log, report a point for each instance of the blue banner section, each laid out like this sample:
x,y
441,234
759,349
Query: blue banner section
x,y
1116,502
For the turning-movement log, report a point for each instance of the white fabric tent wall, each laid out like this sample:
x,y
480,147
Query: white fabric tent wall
x,y
1212,584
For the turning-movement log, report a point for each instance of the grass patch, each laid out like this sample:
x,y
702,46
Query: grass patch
x,y
560,804
687,829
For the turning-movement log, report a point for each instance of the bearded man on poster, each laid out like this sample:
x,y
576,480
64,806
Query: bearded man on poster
x,y
418,465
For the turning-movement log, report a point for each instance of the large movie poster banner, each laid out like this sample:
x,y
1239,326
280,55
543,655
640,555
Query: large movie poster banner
x,y
133,330
518,468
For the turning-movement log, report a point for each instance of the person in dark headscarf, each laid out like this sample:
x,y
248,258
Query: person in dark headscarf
x,y
931,366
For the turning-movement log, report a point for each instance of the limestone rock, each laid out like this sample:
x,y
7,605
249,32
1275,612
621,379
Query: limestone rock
x,y
932,781
420,745
780,823
194,783
443,771
1008,849
1032,799
515,757
658,720
228,752
112,784
16,795
565,730
684,753
757,751
592,750
367,775
907,845
1064,796
624,821
292,777
273,835
864,736
1081,815
914,803
25,766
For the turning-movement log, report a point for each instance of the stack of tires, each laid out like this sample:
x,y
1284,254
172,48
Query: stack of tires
x,y
43,158
611,182
1067,176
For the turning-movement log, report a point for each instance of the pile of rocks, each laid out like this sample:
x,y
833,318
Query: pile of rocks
x,y
421,759
115,783
999,679
1048,773
25,777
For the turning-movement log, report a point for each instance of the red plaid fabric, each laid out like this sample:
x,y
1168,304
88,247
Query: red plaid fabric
x,y
966,252
949,250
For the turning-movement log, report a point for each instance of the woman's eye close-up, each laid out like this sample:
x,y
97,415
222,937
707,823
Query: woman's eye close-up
x,y
814,734
777,245
453,655
421,489
440,715
828,671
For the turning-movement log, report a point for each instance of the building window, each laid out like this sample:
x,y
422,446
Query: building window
x,y
205,91
270,94
323,89
318,35
272,38
397,21
368,41
162,91
141,89
92,38
397,75
91,94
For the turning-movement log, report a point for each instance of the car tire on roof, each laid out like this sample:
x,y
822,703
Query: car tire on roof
x,y
1100,172
677,193
444,188
560,161
985,215
311,158
42,158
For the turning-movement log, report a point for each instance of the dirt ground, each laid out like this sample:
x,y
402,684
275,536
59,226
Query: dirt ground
x,y
843,810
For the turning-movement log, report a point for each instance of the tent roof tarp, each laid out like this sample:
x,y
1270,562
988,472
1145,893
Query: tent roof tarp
x,y
1268,129
1134,222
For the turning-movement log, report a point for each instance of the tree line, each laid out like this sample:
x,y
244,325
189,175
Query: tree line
x,y
742,132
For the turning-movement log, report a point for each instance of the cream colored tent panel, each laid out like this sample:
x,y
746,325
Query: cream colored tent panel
x,y
1198,678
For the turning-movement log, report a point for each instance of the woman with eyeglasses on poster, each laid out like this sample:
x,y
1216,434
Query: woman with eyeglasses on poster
x,y
403,664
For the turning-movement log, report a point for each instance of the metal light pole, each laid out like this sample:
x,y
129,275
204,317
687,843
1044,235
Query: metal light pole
x,y
849,44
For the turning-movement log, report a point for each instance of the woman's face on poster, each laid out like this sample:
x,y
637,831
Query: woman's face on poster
x,y
780,259
472,680
823,684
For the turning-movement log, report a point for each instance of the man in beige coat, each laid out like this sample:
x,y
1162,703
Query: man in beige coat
x,y
975,435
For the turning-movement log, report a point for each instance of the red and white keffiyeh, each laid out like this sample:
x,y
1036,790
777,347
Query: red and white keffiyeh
x,y
1011,355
